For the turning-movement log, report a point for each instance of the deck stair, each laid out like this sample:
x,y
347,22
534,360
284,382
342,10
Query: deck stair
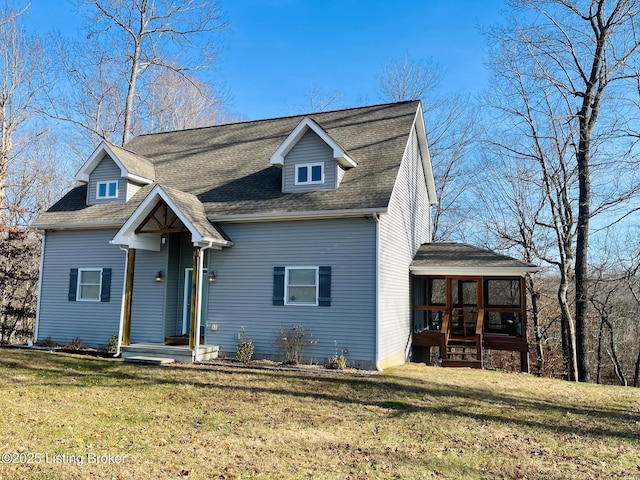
x,y
462,352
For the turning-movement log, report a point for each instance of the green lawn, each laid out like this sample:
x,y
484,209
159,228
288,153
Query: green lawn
x,y
59,410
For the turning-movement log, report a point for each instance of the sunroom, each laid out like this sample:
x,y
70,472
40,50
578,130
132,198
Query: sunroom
x,y
466,300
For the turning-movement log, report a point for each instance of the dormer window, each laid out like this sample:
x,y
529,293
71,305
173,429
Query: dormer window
x,y
107,190
309,173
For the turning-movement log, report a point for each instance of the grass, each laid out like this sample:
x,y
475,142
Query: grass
x,y
223,423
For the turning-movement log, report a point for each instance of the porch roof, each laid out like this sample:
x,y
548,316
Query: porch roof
x,y
185,206
462,259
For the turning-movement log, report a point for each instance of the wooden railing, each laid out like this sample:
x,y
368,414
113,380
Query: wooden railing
x,y
479,331
445,330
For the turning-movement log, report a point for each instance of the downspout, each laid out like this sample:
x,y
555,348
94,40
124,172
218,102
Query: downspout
x,y
376,218
124,286
39,299
196,355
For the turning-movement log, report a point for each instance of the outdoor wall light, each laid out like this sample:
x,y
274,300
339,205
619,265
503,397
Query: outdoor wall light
x,y
159,276
212,277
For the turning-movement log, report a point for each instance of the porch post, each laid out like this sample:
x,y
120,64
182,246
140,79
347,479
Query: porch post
x,y
194,297
128,297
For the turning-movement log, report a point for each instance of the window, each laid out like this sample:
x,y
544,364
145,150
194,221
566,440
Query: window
x,y
301,286
310,286
107,190
89,282
309,173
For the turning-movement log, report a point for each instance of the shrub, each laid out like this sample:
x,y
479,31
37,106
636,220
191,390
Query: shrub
x,y
47,343
337,362
74,344
244,352
292,343
112,345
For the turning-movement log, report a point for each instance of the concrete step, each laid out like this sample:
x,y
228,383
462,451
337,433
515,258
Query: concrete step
x,y
175,353
149,360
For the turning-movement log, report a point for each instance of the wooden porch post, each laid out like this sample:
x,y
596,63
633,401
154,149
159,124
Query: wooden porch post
x,y
128,297
194,298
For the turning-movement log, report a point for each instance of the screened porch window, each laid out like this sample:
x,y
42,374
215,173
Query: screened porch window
x,y
430,294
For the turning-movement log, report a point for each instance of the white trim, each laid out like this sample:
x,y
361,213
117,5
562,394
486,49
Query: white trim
x,y
292,139
184,299
472,271
97,156
309,167
286,286
39,300
107,184
78,284
418,124
376,218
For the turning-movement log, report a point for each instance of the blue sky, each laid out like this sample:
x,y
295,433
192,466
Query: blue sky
x,y
275,50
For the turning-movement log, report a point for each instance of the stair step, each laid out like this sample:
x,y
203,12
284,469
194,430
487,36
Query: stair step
x,y
149,360
452,362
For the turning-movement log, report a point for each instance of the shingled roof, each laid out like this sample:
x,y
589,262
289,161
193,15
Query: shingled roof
x,y
463,259
227,167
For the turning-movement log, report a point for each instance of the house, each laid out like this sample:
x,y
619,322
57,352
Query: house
x,y
196,236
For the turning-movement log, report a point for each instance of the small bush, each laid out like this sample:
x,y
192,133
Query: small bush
x,y
337,362
46,342
112,345
292,343
244,352
74,344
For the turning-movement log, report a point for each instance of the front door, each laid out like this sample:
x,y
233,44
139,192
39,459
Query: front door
x,y
465,297
188,287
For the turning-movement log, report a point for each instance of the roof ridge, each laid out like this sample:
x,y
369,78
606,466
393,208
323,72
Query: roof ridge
x,y
309,114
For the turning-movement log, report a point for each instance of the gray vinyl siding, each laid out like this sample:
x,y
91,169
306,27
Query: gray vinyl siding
x,y
402,230
132,189
243,292
309,149
148,304
173,316
62,320
106,171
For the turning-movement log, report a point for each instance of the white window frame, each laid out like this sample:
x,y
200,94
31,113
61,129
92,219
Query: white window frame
x,y
309,167
79,297
106,190
286,286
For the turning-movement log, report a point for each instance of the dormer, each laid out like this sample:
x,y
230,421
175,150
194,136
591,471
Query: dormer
x,y
311,159
114,174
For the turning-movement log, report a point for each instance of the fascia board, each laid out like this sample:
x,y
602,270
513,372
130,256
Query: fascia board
x,y
472,271
421,131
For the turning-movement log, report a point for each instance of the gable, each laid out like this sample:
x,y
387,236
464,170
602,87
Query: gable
x,y
310,154
101,180
132,166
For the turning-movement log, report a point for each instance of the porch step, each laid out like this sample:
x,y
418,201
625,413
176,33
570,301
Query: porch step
x,y
454,362
174,353
149,360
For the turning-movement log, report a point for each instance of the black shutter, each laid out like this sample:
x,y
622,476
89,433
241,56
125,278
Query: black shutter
x,y
278,285
324,287
105,293
73,284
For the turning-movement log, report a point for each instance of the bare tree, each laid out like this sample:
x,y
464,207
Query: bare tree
x,y
129,44
566,70
21,81
450,131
